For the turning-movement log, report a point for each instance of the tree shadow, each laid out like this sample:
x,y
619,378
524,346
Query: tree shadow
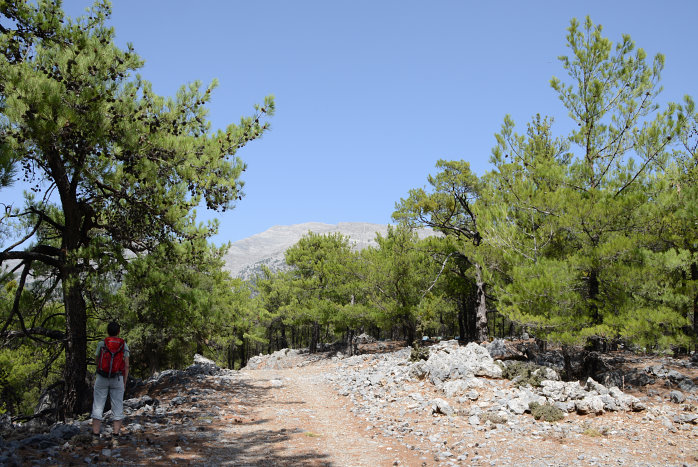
x,y
186,437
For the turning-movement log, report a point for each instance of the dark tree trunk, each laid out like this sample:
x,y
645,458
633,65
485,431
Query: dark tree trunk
x,y
694,277
243,352
462,317
314,337
593,296
408,330
153,358
231,355
75,372
284,341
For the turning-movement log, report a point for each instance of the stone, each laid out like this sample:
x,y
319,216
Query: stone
x,y
501,349
592,385
140,402
417,370
63,431
440,406
689,418
590,405
517,406
460,386
677,397
364,339
448,360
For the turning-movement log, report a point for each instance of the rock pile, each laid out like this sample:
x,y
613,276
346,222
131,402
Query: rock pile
x,y
456,383
46,441
280,359
460,373
490,405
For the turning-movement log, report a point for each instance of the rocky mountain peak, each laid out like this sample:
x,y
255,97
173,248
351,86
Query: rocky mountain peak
x,y
246,257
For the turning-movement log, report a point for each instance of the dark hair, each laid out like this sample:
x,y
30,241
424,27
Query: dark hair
x,y
113,328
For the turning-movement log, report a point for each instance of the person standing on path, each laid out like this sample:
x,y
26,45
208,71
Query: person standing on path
x,y
111,358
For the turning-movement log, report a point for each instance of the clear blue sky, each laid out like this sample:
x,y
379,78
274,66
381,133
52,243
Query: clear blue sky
x,y
370,94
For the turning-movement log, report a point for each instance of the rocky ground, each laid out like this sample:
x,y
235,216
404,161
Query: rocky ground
x,y
445,405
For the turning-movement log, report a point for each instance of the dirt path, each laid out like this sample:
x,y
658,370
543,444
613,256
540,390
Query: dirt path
x,y
296,417
306,423
286,417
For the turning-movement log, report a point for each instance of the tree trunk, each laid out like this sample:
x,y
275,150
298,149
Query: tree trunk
x,y
243,352
231,354
314,337
284,341
76,395
462,327
350,342
152,356
408,330
593,296
694,278
481,313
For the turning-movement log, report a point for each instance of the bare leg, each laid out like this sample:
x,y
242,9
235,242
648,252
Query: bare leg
x,y
117,427
96,425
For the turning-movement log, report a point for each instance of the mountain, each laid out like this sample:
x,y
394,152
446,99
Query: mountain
x,y
245,257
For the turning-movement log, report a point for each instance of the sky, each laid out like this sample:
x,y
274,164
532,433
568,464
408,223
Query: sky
x,y
371,94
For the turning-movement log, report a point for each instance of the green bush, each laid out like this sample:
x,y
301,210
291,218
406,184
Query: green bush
x,y
23,376
419,353
523,373
546,412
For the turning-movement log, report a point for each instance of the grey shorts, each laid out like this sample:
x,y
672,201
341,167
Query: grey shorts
x,y
114,387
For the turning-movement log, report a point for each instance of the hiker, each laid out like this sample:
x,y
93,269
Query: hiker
x,y
111,357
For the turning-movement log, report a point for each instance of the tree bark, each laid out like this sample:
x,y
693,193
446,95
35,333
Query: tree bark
x,y
694,278
284,341
462,325
75,394
481,312
314,337
593,296
231,354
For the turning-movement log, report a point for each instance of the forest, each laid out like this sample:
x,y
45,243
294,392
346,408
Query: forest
x,y
586,238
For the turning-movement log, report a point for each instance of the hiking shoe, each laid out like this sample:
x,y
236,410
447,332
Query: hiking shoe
x,y
115,441
95,439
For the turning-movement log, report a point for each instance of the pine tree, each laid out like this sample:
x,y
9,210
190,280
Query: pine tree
x,y
114,165
450,208
319,262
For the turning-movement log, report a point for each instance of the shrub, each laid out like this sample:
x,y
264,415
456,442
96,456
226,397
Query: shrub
x,y
546,412
419,353
523,373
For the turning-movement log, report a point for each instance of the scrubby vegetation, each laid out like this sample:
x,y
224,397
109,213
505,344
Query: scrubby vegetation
x,y
546,412
523,373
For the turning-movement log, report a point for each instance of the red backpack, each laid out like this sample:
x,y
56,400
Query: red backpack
x,y
111,357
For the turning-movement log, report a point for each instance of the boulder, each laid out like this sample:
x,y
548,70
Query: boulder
x,y
139,402
590,405
448,360
677,397
202,366
561,391
364,339
64,431
517,405
500,349
459,387
440,406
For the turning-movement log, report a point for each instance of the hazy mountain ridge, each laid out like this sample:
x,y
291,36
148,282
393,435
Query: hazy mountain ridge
x,y
245,257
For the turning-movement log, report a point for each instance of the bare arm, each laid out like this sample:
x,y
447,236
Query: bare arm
x,y
125,370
